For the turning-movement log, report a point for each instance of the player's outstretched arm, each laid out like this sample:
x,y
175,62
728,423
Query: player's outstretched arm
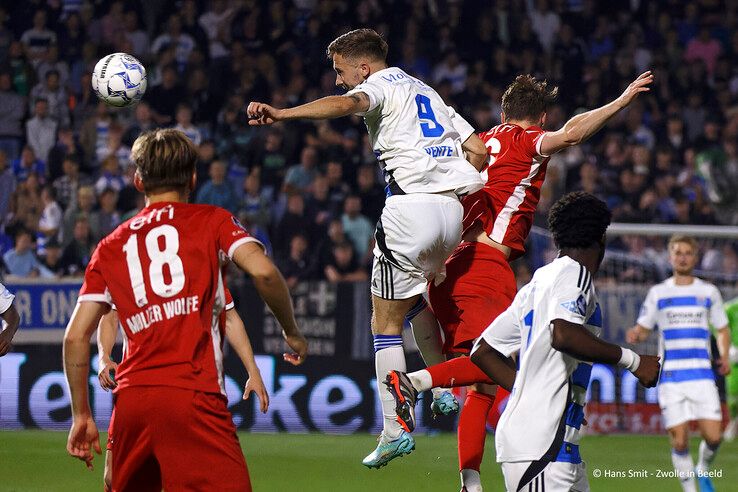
x,y
83,436
582,126
494,364
11,317
320,109
577,341
106,333
239,340
475,152
250,258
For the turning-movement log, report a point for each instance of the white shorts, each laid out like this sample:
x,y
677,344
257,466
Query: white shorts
x,y
415,236
690,400
556,476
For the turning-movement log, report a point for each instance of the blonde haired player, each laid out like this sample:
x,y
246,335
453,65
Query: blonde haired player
x,y
684,308
420,143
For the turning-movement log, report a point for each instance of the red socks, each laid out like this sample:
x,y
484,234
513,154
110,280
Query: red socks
x,y
473,429
460,371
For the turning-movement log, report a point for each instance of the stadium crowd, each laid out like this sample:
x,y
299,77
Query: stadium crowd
x,y
310,191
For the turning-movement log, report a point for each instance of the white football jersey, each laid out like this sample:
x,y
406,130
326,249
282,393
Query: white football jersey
x,y
684,315
546,406
6,299
416,137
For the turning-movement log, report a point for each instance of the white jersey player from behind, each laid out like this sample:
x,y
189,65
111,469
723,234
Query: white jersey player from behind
x,y
421,144
684,308
553,325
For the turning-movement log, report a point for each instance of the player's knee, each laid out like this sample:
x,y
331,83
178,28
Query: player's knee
x,y
713,441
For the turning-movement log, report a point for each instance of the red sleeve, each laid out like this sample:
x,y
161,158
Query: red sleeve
x,y
228,299
94,288
534,138
231,233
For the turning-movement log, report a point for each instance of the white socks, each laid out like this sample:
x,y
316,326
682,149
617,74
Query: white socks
x,y
685,470
707,454
389,356
471,480
422,381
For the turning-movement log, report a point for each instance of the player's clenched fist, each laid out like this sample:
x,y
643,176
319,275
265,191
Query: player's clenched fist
x,y
648,370
262,114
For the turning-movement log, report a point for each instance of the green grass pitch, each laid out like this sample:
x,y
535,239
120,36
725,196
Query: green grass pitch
x,y
36,461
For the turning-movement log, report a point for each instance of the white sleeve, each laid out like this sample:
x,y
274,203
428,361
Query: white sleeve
x,y
373,90
647,316
460,124
6,299
571,294
718,318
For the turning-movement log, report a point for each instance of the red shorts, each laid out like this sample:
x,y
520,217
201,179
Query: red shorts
x,y
175,439
479,286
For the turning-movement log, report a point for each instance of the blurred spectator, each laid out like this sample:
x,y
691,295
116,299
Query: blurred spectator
x,y
165,97
26,204
84,206
271,158
370,192
544,22
7,188
51,91
343,267
184,124
110,177
137,37
143,122
338,190
297,266
41,130
71,38
66,147
39,38
108,214
300,176
21,261
254,208
217,191
77,252
703,48
49,222
174,37
52,259
319,205
215,22
114,147
112,23
12,110
451,70
49,64
358,228
294,221
94,135
66,186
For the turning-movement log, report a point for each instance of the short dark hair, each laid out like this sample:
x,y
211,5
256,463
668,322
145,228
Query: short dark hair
x,y
527,98
359,42
165,159
578,220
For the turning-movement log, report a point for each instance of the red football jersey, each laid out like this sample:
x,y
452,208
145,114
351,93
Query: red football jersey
x,y
515,174
162,271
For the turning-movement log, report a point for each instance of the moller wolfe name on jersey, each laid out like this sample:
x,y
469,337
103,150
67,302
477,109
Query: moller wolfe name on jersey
x,y
159,312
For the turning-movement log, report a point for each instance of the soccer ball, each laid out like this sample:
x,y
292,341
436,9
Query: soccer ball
x,y
119,80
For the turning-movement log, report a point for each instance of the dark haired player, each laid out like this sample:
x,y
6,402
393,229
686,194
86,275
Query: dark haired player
x,y
480,283
421,144
553,325
162,271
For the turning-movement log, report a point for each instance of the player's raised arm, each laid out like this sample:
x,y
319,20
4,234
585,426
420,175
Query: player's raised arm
x,y
83,436
107,330
250,257
320,109
239,340
582,126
